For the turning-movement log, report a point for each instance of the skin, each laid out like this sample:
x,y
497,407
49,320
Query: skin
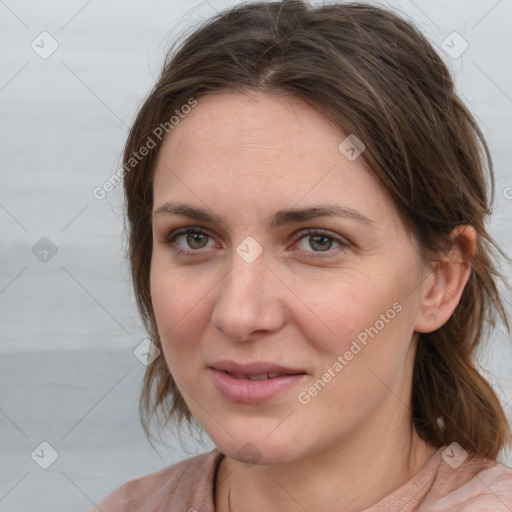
x,y
301,303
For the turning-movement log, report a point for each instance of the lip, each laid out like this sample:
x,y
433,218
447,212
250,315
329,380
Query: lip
x,y
256,368
253,391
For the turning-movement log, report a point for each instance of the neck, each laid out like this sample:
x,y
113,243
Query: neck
x,y
352,476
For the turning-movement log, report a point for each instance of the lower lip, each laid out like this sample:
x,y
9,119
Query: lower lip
x,y
253,391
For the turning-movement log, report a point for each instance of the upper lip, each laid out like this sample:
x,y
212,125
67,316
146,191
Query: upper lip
x,y
256,368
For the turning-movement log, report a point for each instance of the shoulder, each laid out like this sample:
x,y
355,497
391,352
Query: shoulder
x,y
187,484
477,484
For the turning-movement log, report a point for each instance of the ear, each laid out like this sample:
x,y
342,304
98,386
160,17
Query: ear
x,y
443,288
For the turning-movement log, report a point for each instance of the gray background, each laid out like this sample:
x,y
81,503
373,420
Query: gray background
x,y
68,375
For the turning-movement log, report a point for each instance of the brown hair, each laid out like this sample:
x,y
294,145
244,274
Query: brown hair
x,y
376,76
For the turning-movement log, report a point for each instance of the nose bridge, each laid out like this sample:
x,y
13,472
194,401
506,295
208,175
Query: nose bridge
x,y
244,278
244,303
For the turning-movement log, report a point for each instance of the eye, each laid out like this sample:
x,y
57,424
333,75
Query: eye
x,y
193,242
320,241
189,241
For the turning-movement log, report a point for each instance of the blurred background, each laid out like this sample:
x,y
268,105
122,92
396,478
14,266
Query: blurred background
x,y
73,74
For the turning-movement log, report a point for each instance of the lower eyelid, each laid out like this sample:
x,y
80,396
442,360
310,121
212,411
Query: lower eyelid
x,y
332,252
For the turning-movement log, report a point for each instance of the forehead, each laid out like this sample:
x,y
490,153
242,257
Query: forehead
x,y
253,111
255,151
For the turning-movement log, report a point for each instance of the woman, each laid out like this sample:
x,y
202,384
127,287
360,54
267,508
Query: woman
x,y
306,197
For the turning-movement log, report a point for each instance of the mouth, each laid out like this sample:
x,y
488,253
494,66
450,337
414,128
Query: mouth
x,y
255,382
261,376
258,370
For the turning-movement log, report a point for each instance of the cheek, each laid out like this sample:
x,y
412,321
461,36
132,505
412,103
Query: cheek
x,y
365,315
178,304
341,308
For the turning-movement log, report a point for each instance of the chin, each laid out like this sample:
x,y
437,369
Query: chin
x,y
258,450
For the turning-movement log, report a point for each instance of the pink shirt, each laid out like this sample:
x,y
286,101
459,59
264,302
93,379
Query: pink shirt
x,y
478,484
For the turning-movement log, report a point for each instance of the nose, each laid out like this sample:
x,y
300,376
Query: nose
x,y
250,300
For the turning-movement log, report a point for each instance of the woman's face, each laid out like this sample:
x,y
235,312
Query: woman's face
x,y
332,296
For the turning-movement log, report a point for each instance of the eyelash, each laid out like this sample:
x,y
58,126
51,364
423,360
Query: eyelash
x,y
198,253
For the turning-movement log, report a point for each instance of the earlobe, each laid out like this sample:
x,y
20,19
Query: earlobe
x,y
449,276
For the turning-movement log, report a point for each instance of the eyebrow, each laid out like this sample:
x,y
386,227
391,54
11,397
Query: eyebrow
x,y
280,218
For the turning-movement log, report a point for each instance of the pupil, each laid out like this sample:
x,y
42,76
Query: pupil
x,y
324,238
195,238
